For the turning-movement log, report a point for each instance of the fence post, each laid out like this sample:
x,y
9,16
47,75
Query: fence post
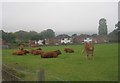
x,y
41,75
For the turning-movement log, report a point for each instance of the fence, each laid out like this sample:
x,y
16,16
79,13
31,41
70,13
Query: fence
x,y
11,74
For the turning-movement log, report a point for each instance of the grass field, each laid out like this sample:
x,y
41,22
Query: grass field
x,y
71,67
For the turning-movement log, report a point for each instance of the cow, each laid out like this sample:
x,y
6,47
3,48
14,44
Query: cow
x,y
31,51
88,49
26,51
39,49
52,54
69,50
20,52
36,52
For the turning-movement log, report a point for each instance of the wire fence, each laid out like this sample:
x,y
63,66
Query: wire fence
x,y
11,74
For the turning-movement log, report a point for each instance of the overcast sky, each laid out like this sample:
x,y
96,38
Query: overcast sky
x,y
80,17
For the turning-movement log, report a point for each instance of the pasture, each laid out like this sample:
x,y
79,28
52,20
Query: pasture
x,y
68,66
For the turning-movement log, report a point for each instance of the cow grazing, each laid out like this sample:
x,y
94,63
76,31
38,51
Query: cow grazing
x,y
52,54
69,50
88,49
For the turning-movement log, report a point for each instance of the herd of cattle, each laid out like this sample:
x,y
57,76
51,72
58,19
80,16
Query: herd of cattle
x,y
39,51
88,49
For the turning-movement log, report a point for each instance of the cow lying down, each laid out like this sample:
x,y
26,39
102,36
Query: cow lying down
x,y
20,52
37,51
52,54
69,50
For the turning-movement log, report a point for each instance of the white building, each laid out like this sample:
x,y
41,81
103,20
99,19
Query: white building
x,y
66,40
87,40
40,42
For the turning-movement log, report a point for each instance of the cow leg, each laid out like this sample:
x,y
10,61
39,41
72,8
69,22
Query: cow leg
x,y
87,55
92,57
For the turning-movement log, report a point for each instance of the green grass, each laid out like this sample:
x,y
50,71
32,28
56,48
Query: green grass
x,y
72,67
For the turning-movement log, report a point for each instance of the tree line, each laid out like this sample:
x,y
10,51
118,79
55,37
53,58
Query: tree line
x,y
24,36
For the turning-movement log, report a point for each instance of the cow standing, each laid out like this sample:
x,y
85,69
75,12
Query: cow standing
x,y
88,49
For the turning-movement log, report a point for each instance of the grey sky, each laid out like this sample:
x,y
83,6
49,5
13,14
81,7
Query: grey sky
x,y
80,17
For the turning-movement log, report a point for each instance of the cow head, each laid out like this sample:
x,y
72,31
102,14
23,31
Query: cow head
x,y
58,52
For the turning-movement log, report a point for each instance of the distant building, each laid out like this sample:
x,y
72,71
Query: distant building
x,y
63,39
66,41
40,42
32,43
100,39
88,40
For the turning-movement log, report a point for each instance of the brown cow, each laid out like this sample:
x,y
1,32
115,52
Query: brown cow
x,y
31,51
88,49
69,50
36,52
26,51
20,52
52,54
